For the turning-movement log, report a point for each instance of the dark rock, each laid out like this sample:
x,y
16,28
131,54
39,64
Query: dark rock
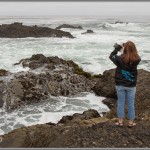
x,y
110,102
2,89
51,124
17,30
68,26
50,66
38,57
40,60
57,77
53,86
35,65
3,72
142,99
106,85
77,78
121,22
88,31
65,119
64,89
91,113
24,89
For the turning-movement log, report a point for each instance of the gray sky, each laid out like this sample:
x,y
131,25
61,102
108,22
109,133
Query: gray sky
x,y
74,8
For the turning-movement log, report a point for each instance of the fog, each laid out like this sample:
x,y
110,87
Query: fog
x,y
74,8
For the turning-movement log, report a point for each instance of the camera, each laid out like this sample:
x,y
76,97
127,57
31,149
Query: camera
x,y
117,46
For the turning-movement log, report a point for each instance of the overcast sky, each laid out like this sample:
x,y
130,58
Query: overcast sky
x,y
74,8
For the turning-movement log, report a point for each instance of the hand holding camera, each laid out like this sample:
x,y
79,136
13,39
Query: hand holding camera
x,y
118,46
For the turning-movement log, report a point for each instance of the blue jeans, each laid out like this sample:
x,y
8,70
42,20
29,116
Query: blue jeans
x,y
128,94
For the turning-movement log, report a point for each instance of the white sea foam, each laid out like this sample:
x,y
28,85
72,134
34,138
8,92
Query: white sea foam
x,y
84,48
50,111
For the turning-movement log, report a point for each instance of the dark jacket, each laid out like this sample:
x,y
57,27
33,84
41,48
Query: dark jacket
x,y
126,73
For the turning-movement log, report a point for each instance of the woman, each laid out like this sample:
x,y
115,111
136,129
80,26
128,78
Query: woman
x,y
125,79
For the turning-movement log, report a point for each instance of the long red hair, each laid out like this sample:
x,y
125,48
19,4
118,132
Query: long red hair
x,y
130,53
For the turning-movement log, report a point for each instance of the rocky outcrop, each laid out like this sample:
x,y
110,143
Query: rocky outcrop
x,y
90,130
47,76
91,113
17,30
121,22
69,26
88,31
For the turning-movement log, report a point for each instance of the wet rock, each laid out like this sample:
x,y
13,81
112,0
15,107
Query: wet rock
x,y
34,87
23,89
62,77
40,60
106,85
17,30
50,66
2,89
88,31
64,89
121,22
53,86
77,78
38,57
110,102
91,113
3,72
57,77
17,88
69,26
51,124
11,100
13,94
142,99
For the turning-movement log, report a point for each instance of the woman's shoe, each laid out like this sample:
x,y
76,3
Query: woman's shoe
x,y
132,124
119,124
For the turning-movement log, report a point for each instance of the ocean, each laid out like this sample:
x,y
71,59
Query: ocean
x,y
89,51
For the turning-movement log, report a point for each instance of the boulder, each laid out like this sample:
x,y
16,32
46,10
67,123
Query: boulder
x,y
88,31
106,84
121,22
91,113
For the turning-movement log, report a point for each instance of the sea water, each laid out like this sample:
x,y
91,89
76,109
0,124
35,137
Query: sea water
x,y
89,51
